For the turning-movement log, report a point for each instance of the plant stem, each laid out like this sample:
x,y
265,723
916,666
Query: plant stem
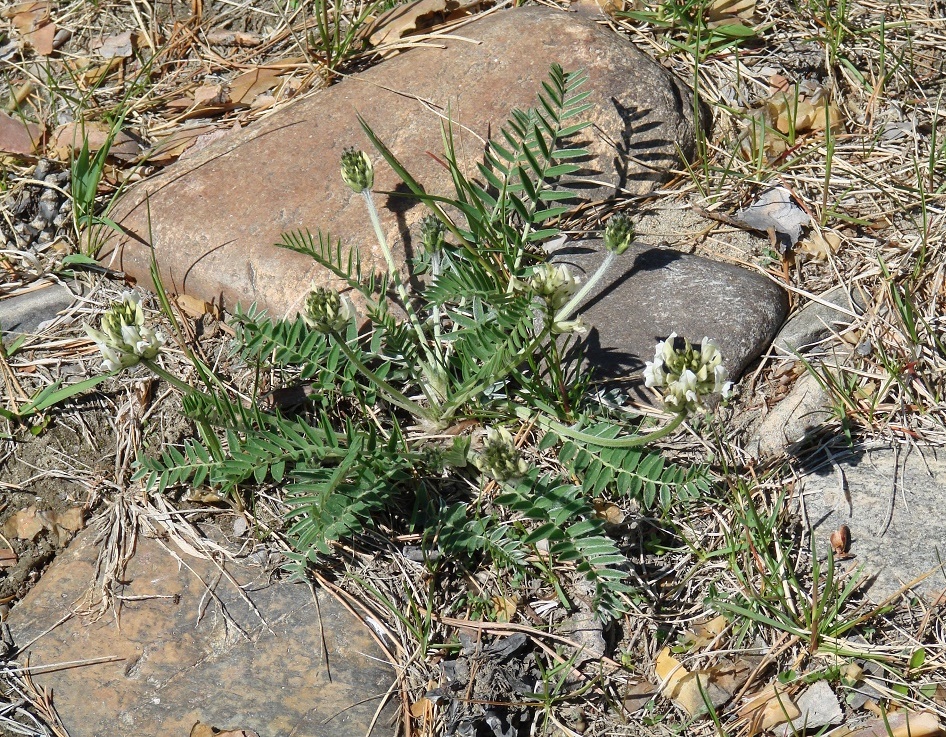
x,y
392,394
170,378
572,305
546,423
398,285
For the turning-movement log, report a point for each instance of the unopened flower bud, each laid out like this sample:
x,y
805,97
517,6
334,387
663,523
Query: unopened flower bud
x,y
619,234
432,231
357,171
500,458
327,311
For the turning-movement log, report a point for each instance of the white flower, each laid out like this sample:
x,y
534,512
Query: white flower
x,y
124,339
687,376
554,283
562,327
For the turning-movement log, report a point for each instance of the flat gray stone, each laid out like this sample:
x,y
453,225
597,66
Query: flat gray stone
x,y
799,415
182,655
651,292
817,321
892,500
819,708
214,217
25,313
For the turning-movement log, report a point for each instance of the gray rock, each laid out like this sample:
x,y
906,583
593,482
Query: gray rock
x,y
800,414
178,654
652,292
816,320
27,312
892,501
819,707
215,216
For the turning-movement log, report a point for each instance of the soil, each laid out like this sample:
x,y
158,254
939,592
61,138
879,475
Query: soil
x,y
53,472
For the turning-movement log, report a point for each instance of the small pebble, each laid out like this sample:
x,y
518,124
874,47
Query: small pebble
x,y
42,169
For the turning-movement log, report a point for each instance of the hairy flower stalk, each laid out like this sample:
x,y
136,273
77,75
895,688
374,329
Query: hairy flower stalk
x,y
432,236
500,458
618,236
358,173
330,313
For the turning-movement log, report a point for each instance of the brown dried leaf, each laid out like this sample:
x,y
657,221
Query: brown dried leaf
x,y
32,21
504,608
670,671
402,20
193,306
779,709
720,9
203,496
768,708
68,140
245,87
704,634
696,689
608,511
119,46
421,707
637,695
170,148
42,39
902,724
208,95
28,15
233,38
820,246
72,519
18,138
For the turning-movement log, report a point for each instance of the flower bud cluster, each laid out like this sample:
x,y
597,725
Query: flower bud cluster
x,y
357,171
326,311
124,338
432,232
686,374
500,458
619,234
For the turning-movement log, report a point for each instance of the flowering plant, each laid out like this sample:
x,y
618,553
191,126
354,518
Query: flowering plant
x,y
687,375
124,339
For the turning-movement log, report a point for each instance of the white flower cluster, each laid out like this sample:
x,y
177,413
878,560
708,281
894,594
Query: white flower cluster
x,y
556,285
687,375
125,339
